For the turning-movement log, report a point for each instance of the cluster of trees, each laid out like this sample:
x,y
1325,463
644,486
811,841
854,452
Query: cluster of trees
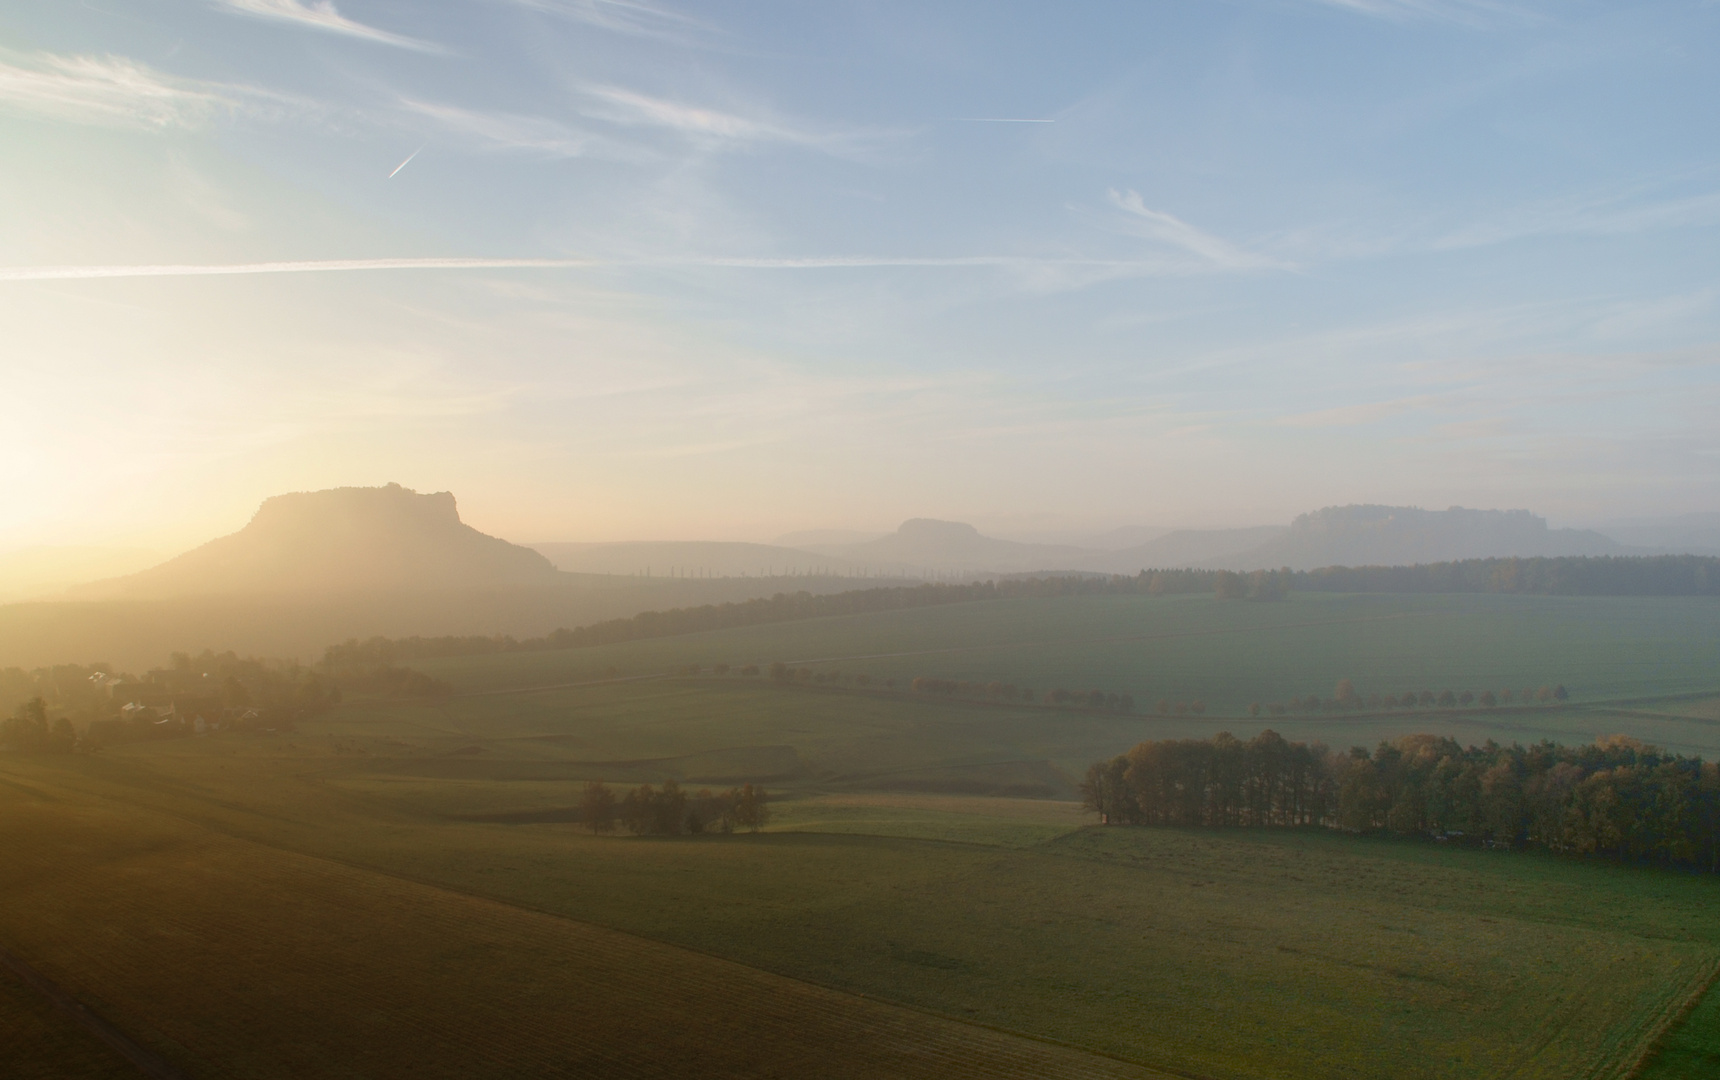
x,y
220,687
1347,698
278,691
1615,797
669,811
390,680
77,690
27,730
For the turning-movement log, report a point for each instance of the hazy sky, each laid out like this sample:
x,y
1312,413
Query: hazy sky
x,y
784,265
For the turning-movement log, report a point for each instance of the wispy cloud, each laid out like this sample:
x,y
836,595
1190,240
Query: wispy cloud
x,y
309,266
1607,214
1163,228
1467,12
623,17
321,15
106,90
506,131
714,127
1024,264
628,107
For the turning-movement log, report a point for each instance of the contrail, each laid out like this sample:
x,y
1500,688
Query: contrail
x,y
407,162
1000,120
67,273
315,266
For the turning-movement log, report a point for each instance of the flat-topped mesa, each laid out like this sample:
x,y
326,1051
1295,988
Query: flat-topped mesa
x,y
352,539
357,508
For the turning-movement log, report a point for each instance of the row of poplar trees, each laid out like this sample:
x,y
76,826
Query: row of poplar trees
x,y
1616,797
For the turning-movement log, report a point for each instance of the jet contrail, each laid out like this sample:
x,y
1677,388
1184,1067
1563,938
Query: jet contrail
x,y
72,273
1000,120
313,266
407,162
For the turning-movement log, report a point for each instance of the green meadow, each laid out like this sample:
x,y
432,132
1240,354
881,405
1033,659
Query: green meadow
x,y
1228,655
927,898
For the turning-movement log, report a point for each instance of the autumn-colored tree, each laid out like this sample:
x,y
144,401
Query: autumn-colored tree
x,y
597,807
750,809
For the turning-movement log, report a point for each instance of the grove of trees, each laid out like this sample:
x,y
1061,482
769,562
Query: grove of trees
x,y
1615,797
28,730
669,811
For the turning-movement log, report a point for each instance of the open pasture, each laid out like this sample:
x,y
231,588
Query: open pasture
x,y
1227,654
1221,954
924,852
232,958
717,732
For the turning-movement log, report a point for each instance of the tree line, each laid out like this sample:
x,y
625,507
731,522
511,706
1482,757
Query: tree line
x,y
669,811
1616,797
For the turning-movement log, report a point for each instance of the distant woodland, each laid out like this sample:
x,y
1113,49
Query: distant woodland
x,y
222,689
1616,797
1660,575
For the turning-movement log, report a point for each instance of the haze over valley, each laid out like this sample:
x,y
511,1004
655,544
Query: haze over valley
x,y
571,539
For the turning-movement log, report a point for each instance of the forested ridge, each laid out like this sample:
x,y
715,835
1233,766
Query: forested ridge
x,y
1661,575
783,607
1615,797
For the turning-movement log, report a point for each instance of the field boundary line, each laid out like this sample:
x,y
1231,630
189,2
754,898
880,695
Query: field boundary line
x,y
1663,1027
147,1062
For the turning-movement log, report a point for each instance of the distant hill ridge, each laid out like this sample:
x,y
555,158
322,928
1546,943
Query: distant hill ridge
x,y
1371,535
344,539
930,544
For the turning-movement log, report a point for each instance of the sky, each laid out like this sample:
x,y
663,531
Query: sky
x,y
618,270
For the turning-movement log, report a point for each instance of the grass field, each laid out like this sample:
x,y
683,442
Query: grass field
x,y
37,1042
1691,1051
1236,954
394,888
232,958
1187,647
